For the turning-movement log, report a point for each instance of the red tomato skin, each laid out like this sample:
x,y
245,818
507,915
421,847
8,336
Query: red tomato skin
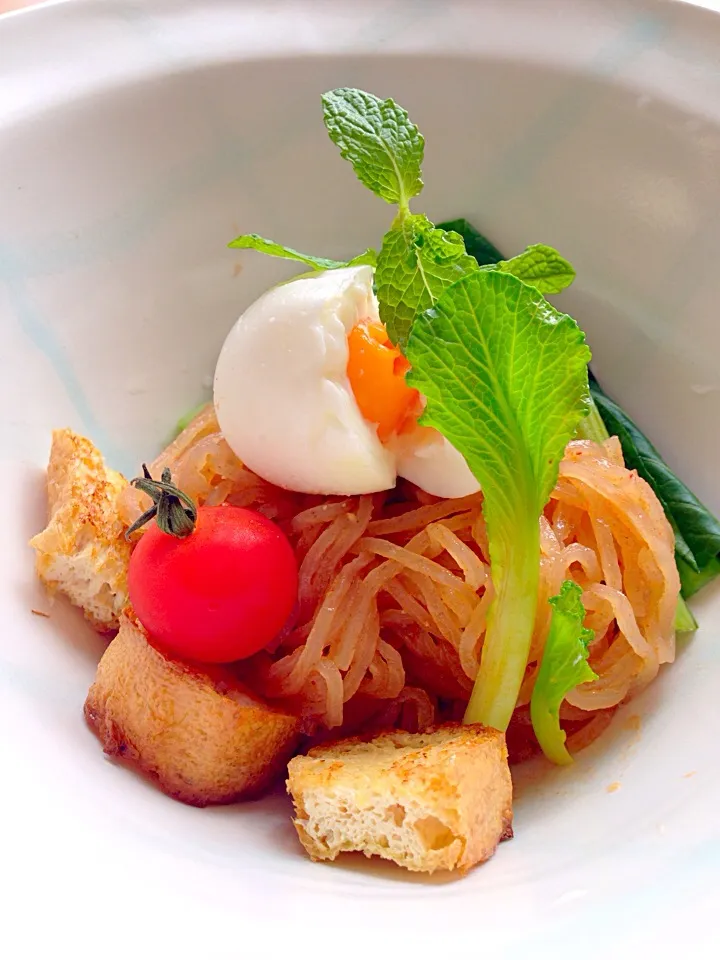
x,y
219,595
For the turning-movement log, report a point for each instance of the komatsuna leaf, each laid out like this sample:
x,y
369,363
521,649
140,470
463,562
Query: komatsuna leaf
x,y
476,244
188,417
505,377
380,141
564,665
697,531
685,621
693,580
416,264
251,241
542,267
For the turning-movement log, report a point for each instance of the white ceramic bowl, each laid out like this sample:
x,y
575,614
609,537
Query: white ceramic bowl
x,y
136,139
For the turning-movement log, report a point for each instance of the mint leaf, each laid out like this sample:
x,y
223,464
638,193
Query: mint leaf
x,y
380,141
540,266
416,264
697,531
251,241
368,257
477,245
564,665
505,377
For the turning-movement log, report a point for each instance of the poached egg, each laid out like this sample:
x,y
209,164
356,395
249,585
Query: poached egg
x,y
310,394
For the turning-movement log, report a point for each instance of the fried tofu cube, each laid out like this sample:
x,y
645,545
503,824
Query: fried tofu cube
x,y
440,800
197,732
82,552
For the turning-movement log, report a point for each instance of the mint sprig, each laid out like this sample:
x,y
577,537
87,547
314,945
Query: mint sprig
x,y
252,241
417,261
380,141
416,264
540,266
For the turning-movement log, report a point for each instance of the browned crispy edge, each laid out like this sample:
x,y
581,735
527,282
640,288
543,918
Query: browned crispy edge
x,y
119,747
369,736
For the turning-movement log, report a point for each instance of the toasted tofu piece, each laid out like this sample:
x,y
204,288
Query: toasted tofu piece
x,y
440,800
199,733
82,552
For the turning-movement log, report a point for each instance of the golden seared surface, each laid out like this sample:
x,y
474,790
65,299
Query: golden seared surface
x,y
82,552
440,800
199,733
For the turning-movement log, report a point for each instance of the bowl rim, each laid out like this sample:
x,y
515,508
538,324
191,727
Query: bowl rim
x,y
55,34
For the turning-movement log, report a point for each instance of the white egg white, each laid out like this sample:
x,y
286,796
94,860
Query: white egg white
x,y
285,405
430,461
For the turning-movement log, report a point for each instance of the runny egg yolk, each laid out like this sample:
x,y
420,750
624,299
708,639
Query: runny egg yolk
x,y
376,370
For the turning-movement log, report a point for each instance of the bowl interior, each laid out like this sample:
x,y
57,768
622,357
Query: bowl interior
x,y
116,292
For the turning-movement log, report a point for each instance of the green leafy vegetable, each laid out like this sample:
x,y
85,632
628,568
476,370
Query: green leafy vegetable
x,y
251,241
685,622
188,418
694,580
564,665
593,426
379,139
540,266
476,244
505,377
697,531
417,262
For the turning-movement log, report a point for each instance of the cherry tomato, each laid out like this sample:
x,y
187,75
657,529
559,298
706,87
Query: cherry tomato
x,y
220,594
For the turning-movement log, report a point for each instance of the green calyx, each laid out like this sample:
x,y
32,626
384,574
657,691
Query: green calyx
x,y
174,511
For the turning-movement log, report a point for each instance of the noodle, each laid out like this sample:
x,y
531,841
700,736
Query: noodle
x,y
326,553
471,565
395,590
469,647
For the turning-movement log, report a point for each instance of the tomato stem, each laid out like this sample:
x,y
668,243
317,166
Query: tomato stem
x,y
174,511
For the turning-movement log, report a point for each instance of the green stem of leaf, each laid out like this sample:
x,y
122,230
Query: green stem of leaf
x,y
592,427
544,725
509,633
